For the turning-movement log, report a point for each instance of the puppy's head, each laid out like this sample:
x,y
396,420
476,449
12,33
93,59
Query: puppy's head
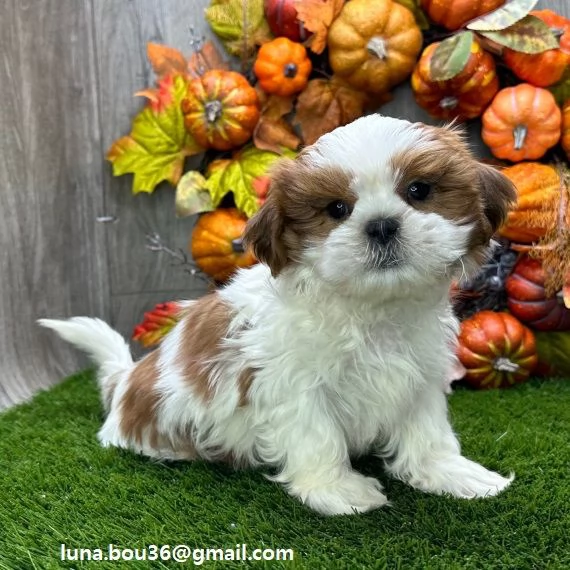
x,y
381,203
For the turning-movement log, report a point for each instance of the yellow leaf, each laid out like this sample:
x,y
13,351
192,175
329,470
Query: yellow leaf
x,y
240,24
238,175
158,144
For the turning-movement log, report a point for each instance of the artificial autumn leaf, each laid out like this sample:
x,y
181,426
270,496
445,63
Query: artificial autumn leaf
x,y
207,58
451,56
529,35
237,175
261,188
510,12
166,60
414,7
157,145
157,323
192,196
159,97
272,131
317,17
553,350
326,104
240,24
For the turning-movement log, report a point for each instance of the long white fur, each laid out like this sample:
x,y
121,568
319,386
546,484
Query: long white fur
x,y
346,362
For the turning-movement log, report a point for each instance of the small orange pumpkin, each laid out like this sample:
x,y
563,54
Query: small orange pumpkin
x,y
565,140
538,190
496,349
373,44
452,14
221,109
216,243
521,123
464,96
282,67
546,68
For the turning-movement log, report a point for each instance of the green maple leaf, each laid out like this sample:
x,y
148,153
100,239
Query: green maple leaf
x,y
238,174
240,24
158,144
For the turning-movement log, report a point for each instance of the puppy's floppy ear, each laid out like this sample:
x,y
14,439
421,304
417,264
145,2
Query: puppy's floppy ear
x,y
264,232
498,195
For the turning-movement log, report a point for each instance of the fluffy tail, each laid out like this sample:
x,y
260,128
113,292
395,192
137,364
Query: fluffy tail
x,y
106,347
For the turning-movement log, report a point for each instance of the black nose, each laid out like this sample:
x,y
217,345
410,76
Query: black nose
x,y
382,230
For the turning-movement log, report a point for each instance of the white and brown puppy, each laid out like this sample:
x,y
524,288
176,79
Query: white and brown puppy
x,y
338,343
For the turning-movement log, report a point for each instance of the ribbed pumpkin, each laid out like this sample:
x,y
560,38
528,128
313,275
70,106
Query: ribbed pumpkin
x,y
282,67
546,68
527,300
521,123
496,349
538,189
216,244
221,109
565,140
452,14
373,44
464,96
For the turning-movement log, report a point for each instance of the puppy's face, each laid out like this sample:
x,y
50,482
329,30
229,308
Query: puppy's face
x,y
381,204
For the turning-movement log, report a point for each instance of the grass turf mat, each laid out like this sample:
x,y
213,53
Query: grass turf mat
x,y
58,486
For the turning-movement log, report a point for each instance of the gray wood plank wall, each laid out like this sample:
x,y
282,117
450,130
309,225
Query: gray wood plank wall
x,y
68,72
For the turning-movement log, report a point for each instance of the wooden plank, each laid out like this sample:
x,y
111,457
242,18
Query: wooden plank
x,y
122,32
53,256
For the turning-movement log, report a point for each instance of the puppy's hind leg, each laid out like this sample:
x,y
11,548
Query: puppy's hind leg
x,y
315,463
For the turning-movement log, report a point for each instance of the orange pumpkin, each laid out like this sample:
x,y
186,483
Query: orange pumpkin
x,y
373,44
496,349
282,67
565,140
538,190
544,68
521,123
221,109
216,243
452,14
464,96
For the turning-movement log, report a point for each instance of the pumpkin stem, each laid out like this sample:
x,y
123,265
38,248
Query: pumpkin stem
x,y
376,46
213,111
237,246
290,70
520,132
449,102
503,364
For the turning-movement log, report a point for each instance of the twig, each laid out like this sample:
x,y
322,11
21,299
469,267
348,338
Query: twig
x,y
155,243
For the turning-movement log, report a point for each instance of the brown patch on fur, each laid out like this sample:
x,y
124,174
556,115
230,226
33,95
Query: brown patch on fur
x,y
295,212
463,189
140,399
204,327
244,381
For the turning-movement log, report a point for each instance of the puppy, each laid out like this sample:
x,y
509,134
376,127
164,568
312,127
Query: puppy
x,y
339,342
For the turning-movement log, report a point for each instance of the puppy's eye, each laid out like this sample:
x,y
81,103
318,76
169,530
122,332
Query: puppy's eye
x,y
338,209
419,190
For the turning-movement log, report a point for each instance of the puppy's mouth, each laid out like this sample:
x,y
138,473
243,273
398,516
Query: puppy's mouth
x,y
385,257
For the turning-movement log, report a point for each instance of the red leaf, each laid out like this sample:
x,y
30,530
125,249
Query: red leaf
x,y
157,323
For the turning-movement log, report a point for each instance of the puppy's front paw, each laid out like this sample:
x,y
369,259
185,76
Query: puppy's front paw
x,y
352,493
460,477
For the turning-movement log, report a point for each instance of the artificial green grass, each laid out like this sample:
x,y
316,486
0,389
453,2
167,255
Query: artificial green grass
x,y
58,486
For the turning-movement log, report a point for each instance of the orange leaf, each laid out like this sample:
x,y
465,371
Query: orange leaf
x,y
166,60
272,131
326,104
317,16
206,59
